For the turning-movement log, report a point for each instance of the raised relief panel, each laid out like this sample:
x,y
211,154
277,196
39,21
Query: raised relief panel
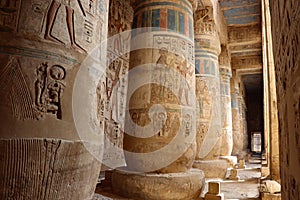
x,y
74,24
49,87
244,34
9,15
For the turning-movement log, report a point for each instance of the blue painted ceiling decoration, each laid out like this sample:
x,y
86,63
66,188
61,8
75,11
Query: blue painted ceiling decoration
x,y
241,12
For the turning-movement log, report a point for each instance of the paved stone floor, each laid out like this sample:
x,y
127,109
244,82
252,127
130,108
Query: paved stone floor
x,y
246,188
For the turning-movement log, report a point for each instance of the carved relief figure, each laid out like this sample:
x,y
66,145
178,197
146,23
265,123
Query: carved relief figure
x,y
49,88
51,16
204,100
184,68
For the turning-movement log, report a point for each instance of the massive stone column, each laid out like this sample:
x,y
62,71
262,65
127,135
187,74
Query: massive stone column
x,y
159,140
209,130
225,75
42,45
226,113
236,135
243,123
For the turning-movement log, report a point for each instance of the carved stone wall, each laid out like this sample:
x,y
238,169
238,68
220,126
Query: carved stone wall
x,y
42,46
285,30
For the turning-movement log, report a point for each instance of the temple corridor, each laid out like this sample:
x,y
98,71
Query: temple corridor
x,y
149,100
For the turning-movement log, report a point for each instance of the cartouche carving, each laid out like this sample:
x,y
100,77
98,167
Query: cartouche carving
x,y
49,88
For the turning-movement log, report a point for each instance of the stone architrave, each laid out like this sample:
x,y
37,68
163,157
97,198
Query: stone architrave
x,y
42,46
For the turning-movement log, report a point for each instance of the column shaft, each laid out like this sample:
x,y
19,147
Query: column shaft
x,y
43,44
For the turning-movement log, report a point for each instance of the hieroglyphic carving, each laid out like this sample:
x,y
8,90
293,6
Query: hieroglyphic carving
x,y
9,14
14,86
112,88
49,87
244,34
180,75
246,61
204,23
175,45
204,100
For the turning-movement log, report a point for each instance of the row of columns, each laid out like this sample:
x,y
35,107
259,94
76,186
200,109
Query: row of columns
x,y
43,52
177,65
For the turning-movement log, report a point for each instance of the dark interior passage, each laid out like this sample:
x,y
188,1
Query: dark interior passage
x,y
254,102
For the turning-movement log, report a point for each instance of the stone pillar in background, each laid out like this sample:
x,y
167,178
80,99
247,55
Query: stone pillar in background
x,y
160,126
225,75
236,135
243,125
42,45
209,130
113,86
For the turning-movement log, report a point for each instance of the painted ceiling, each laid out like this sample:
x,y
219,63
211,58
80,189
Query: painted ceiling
x,y
241,12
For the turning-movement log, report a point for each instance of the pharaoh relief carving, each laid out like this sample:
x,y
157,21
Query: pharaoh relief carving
x,y
49,87
51,16
204,23
204,99
177,79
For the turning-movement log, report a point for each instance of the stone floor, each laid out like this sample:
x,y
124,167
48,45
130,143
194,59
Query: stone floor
x,y
246,188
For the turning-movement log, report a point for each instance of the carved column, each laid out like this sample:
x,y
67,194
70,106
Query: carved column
x,y
159,138
243,124
43,152
237,144
225,75
209,130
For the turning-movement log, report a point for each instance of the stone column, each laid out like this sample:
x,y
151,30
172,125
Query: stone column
x,y
160,126
209,130
42,45
237,144
243,125
225,75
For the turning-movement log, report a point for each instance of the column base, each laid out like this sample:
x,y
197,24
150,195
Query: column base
x,y
212,168
214,196
269,196
231,160
152,186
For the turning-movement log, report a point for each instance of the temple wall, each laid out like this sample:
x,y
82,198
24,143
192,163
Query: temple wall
x,y
285,31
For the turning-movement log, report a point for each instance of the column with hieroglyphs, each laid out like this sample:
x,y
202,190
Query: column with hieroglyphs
x,y
209,129
159,139
45,153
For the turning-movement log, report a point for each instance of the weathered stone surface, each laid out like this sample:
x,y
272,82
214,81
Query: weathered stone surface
x,y
173,186
42,46
285,31
231,160
270,186
212,168
207,50
226,120
234,175
168,80
268,196
47,169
